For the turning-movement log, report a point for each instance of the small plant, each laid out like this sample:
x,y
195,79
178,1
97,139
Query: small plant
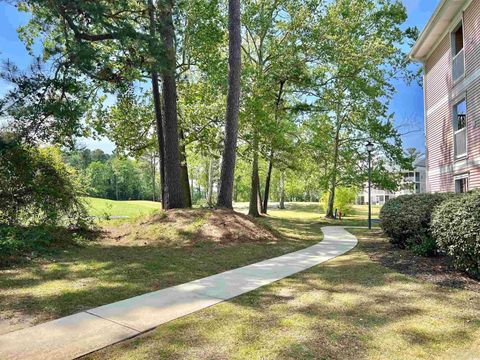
x,y
426,246
107,214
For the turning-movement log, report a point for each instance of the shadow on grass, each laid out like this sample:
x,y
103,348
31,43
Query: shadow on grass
x,y
347,308
75,278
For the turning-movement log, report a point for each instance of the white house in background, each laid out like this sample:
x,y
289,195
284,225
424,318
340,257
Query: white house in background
x,y
413,182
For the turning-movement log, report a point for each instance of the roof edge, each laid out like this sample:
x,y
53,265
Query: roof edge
x,y
439,23
426,31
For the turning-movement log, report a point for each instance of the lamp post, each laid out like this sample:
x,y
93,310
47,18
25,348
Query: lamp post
x,y
369,146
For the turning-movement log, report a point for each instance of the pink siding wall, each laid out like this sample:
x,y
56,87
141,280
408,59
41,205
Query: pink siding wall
x,y
471,20
439,131
441,166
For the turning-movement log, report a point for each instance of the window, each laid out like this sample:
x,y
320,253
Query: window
x,y
458,39
461,184
460,128
458,55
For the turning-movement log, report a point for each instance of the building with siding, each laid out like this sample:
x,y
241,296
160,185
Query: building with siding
x,y
449,49
413,182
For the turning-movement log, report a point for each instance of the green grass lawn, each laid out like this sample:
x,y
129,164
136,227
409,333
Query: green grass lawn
x,y
111,208
347,308
76,277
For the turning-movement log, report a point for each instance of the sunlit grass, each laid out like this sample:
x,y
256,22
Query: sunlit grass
x,y
348,308
75,277
112,208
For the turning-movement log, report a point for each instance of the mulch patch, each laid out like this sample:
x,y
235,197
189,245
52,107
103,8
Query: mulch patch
x,y
438,270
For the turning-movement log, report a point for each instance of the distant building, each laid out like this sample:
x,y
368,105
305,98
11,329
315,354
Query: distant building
x,y
413,182
449,49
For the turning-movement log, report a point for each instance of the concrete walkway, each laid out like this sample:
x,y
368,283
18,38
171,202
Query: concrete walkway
x,y
90,330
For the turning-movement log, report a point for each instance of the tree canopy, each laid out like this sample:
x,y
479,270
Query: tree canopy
x,y
162,80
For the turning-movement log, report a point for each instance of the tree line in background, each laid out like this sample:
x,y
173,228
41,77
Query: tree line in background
x,y
118,177
249,100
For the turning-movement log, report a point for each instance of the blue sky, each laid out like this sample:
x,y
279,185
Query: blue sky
x,y
407,104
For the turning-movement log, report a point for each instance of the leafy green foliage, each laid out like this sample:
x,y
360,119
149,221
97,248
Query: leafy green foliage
x,y
349,89
456,228
43,105
36,187
344,199
407,218
426,246
39,198
115,177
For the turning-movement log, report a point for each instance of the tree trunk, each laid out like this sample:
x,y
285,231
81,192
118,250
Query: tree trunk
x,y
253,208
227,173
187,198
192,189
267,183
173,187
260,201
210,183
153,177
331,197
282,190
270,163
158,109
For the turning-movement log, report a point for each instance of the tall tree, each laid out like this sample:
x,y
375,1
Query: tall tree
x,y
174,197
225,195
157,106
109,45
353,68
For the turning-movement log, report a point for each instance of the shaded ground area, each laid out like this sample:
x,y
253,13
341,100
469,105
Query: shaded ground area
x,y
437,270
348,308
132,258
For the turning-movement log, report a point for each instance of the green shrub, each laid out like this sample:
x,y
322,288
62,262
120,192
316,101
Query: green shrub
x,y
37,188
456,228
406,219
39,194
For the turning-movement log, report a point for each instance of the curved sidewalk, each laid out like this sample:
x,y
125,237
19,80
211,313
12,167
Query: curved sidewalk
x,y
91,330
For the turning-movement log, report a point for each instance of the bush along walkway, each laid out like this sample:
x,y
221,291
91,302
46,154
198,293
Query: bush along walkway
x,y
85,332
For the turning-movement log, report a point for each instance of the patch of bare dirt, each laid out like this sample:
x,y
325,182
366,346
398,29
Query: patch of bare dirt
x,y
438,270
15,321
186,227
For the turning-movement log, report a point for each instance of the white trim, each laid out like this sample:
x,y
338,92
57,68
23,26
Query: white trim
x,y
465,176
438,105
461,176
458,131
452,40
461,86
458,166
425,137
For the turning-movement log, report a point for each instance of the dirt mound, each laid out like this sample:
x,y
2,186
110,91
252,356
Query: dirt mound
x,y
186,227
